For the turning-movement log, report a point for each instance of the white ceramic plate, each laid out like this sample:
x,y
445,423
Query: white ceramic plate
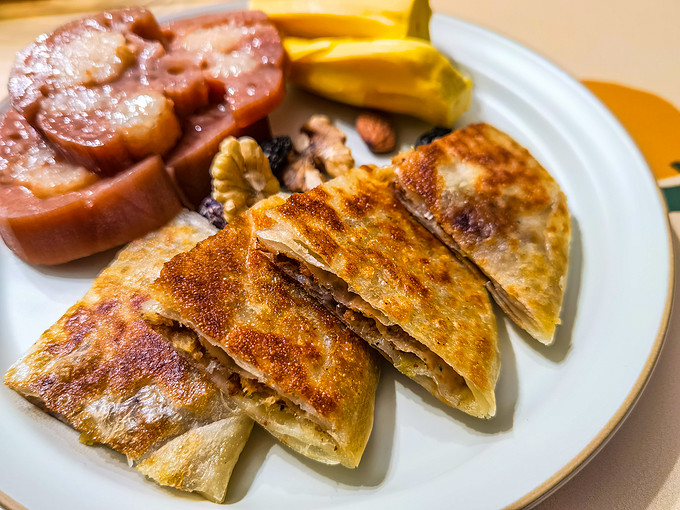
x,y
556,405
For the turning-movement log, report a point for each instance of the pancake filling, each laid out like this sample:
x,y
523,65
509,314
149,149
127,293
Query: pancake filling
x,y
409,356
293,423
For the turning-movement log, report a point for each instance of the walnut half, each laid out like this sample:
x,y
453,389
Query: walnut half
x,y
319,147
241,176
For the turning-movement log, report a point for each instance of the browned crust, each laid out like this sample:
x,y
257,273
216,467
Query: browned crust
x,y
502,209
234,296
117,354
500,163
92,366
359,229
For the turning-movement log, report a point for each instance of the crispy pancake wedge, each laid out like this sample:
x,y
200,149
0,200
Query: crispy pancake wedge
x,y
283,358
358,250
490,201
123,378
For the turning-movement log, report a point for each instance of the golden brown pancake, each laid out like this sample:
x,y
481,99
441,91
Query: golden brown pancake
x,y
123,378
284,359
491,202
358,251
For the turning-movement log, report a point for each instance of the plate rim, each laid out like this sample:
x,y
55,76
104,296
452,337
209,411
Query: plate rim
x,y
9,503
551,484
570,469
588,453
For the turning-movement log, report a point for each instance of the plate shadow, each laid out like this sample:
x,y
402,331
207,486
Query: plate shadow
x,y
87,267
249,463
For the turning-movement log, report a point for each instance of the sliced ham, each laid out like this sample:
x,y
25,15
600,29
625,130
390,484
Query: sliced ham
x,y
189,162
106,128
95,50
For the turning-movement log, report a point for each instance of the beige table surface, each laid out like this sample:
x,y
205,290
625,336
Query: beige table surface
x,y
633,43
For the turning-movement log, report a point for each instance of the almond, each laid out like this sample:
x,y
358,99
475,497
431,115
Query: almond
x,y
376,131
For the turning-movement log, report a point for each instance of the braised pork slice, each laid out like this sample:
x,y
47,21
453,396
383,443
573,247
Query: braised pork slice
x,y
53,211
241,56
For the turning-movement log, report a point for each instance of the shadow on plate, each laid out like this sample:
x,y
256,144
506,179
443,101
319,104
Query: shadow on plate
x,y
645,449
87,267
249,463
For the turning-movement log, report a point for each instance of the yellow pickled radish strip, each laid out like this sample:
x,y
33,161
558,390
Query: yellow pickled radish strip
x,y
349,18
397,75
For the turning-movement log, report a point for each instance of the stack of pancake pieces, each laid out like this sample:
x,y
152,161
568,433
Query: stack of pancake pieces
x,y
190,335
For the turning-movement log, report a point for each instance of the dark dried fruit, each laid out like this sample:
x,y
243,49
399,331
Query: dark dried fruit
x,y
213,211
432,135
277,149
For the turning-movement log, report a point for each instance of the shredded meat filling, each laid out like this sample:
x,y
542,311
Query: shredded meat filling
x,y
407,354
242,386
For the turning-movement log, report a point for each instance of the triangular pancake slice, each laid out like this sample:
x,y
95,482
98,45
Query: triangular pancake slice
x,y
282,357
124,379
361,254
491,202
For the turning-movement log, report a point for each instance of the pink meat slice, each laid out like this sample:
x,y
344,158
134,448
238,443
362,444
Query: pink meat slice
x,y
189,162
105,91
108,128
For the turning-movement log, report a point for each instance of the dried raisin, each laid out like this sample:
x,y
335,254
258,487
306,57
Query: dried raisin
x,y
212,210
432,135
277,149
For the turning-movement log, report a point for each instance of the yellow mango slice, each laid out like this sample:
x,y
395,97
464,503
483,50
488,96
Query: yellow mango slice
x,y
398,75
349,18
